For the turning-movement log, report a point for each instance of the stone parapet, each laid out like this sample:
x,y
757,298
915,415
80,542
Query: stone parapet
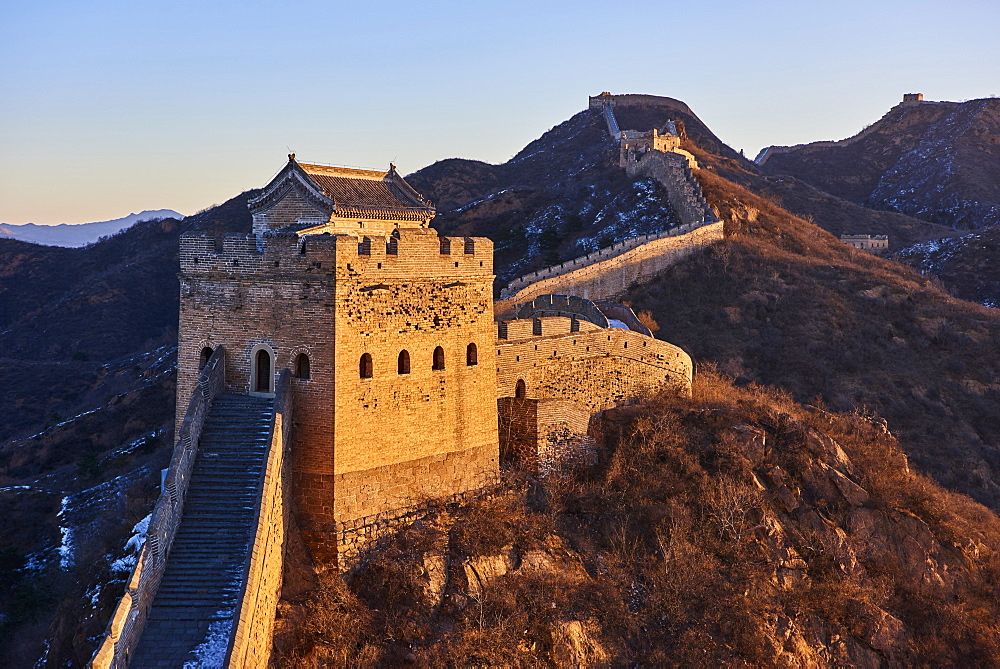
x,y
404,253
250,644
355,536
596,369
673,171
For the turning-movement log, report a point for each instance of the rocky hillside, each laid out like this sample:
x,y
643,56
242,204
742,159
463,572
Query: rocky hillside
x,y
785,304
967,265
939,162
563,195
735,528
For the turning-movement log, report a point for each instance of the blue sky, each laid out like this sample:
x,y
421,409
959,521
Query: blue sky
x,y
109,108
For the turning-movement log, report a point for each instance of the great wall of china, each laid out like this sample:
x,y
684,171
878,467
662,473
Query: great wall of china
x,y
559,359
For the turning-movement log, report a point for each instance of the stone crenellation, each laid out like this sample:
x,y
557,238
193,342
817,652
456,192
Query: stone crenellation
x,y
339,299
552,382
597,368
606,253
658,155
673,171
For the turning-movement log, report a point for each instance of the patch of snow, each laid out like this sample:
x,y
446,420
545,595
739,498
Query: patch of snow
x,y
474,203
615,323
66,547
16,487
211,652
132,547
44,659
36,561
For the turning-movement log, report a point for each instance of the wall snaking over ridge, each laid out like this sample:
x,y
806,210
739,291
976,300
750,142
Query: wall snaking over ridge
x,y
612,275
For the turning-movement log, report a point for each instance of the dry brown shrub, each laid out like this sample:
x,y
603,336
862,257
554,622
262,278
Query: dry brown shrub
x,y
645,317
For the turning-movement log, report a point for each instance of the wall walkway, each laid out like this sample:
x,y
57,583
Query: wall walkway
x,y
609,272
218,585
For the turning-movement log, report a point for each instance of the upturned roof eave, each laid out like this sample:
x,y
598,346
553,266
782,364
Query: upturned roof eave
x,y
290,174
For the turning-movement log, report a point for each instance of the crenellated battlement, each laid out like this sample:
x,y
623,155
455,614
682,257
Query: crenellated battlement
x,y
406,252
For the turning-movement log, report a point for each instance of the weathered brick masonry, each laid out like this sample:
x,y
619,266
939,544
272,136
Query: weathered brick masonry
x,y
597,368
551,379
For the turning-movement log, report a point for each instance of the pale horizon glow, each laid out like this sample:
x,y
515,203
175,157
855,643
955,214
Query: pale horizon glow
x,y
114,107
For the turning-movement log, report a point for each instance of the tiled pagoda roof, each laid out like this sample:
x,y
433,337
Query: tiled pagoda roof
x,y
368,193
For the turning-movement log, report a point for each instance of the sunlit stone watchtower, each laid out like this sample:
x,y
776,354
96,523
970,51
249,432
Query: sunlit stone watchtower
x,y
383,324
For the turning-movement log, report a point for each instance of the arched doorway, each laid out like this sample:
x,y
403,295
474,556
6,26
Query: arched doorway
x,y
262,374
520,390
206,354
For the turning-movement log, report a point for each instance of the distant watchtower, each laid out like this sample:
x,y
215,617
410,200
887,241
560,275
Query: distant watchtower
x,y
912,98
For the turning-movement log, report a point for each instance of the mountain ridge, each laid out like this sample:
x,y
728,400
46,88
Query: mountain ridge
x,y
937,161
79,234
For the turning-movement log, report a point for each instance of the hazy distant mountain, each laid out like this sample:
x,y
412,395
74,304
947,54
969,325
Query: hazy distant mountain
x,y
80,234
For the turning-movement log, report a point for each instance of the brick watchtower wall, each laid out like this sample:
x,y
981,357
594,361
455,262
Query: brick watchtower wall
x,y
361,446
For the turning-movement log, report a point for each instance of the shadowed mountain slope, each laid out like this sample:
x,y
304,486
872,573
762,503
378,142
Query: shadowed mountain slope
x,y
938,161
560,197
967,265
785,304
88,336
87,360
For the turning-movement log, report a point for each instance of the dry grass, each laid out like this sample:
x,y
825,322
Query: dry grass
x,y
676,549
783,303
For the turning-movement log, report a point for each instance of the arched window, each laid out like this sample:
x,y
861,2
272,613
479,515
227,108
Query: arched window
x,y
438,358
302,366
520,390
262,376
471,355
206,353
365,366
403,363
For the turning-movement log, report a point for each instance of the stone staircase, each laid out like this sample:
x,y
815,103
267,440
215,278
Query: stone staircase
x,y
197,597
609,118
